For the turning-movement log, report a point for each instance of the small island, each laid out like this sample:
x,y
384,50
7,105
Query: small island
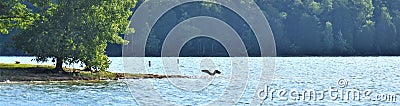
x,y
30,73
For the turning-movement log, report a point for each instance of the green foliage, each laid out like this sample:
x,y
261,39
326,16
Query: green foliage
x,y
79,31
102,24
76,31
336,27
15,14
307,27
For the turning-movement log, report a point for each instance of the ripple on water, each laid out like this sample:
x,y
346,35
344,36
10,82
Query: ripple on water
x,y
377,73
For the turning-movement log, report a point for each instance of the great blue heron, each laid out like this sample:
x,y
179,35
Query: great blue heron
x,y
213,73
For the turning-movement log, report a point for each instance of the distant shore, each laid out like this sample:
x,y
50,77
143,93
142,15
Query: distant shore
x,y
16,73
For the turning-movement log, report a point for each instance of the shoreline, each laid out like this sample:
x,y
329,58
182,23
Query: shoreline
x,y
68,79
28,73
133,76
47,82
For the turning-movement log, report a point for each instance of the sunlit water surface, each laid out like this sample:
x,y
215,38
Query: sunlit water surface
x,y
380,74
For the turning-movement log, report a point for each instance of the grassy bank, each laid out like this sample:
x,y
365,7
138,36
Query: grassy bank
x,y
23,66
31,72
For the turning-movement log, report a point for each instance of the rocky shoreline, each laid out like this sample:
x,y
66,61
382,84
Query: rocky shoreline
x,y
37,75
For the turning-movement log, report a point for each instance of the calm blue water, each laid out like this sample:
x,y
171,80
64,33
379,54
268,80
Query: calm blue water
x,y
378,74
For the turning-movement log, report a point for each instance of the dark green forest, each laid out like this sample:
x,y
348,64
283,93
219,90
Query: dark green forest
x,y
300,28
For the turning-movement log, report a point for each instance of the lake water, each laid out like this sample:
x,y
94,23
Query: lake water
x,y
378,75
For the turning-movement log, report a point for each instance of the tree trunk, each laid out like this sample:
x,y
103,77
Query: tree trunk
x,y
59,65
88,68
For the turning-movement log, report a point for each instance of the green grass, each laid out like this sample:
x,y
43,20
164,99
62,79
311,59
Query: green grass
x,y
44,71
33,68
23,66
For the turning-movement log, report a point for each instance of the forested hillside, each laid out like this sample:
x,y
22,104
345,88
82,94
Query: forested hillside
x,y
300,27
335,27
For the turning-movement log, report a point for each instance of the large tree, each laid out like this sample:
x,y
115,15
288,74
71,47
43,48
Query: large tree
x,y
76,31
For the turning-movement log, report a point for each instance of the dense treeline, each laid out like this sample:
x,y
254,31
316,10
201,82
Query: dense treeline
x,y
7,48
300,27
335,27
